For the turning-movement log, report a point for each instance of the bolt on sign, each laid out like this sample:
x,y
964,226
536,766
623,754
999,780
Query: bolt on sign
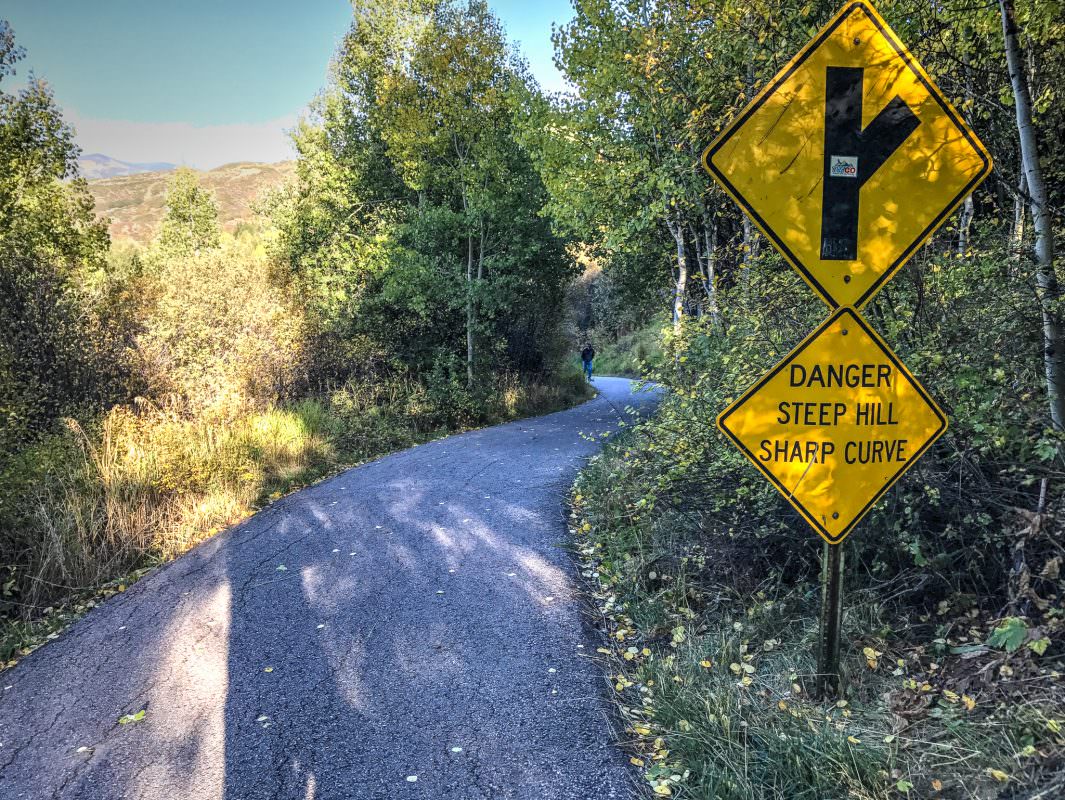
x,y
850,158
835,423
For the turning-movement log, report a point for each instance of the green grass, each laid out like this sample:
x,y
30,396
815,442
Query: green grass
x,y
631,355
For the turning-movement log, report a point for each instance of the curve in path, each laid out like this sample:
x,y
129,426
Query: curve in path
x,y
407,629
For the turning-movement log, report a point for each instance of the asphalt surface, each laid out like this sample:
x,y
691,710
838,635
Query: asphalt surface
x,y
346,642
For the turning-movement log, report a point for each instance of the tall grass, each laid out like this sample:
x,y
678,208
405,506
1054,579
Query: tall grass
x,y
145,486
90,504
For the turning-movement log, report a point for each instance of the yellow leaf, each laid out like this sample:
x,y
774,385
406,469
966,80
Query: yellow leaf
x,y
663,790
684,725
998,775
734,667
970,704
642,730
645,652
268,669
782,705
949,696
638,762
705,664
854,740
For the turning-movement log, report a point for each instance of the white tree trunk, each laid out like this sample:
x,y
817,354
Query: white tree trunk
x,y
1019,220
469,312
681,290
968,208
1045,278
965,224
710,276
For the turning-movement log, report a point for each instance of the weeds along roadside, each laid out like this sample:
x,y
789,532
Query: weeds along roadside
x,y
92,508
713,675
630,355
709,583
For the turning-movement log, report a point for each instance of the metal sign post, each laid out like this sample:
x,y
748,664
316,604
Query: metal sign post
x,y
828,670
848,160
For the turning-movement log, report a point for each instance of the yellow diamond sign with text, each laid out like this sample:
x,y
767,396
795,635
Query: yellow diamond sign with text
x,y
835,423
850,158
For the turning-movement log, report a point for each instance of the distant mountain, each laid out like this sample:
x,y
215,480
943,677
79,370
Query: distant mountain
x,y
98,165
135,203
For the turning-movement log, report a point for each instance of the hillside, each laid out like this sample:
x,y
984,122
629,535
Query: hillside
x,y
97,165
135,203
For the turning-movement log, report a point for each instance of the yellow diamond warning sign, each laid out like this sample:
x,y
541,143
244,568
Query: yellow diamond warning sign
x,y
835,423
850,158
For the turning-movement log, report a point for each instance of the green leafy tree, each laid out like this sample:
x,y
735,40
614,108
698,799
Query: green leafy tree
x,y
190,226
56,354
416,214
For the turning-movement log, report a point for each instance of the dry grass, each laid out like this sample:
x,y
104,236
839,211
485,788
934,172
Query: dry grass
x,y
88,507
148,486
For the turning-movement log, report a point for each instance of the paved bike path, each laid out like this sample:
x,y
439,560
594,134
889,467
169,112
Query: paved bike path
x,y
407,629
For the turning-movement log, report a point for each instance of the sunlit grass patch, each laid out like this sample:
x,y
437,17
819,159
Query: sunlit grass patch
x,y
94,504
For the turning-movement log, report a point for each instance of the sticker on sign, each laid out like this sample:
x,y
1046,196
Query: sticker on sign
x,y
835,423
844,166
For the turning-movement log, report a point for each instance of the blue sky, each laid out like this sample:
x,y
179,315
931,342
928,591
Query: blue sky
x,y
204,82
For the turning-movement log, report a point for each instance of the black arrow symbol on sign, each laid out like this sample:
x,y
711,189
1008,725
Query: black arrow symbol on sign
x,y
853,155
